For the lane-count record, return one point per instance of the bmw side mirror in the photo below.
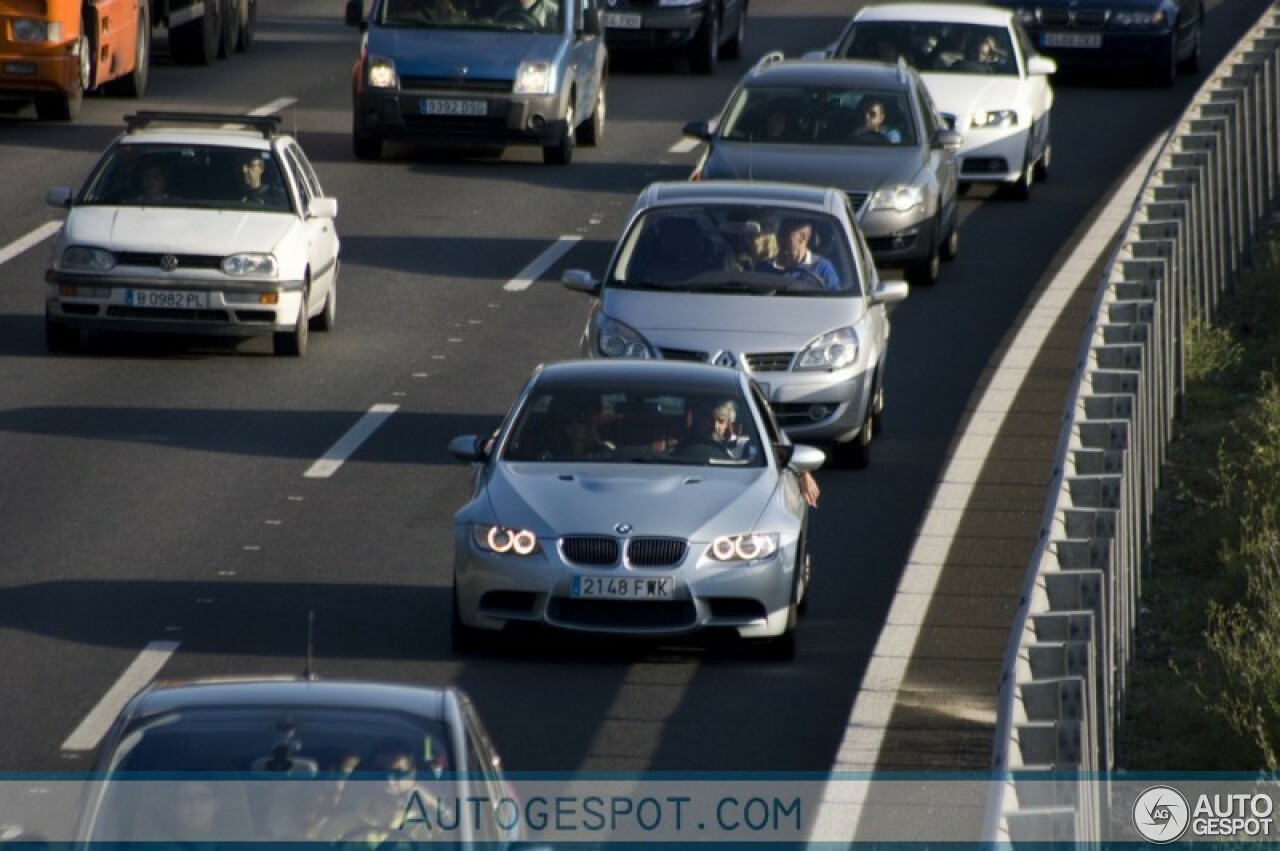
(469, 447)
(58, 196)
(355, 13)
(580, 281)
(591, 22)
(698, 130)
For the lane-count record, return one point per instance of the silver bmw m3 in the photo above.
(635, 498)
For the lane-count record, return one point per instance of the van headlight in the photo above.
(83, 258)
(382, 73)
(535, 78)
(241, 265)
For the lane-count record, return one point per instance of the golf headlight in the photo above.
(994, 118)
(833, 350)
(620, 340)
(32, 30)
(382, 73)
(752, 546)
(535, 78)
(84, 258)
(900, 199)
(504, 541)
(1139, 20)
(241, 265)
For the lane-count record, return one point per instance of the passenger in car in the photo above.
(757, 245)
(152, 184)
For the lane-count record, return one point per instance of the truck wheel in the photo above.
(248, 20)
(66, 106)
(196, 42)
(134, 84)
(229, 40)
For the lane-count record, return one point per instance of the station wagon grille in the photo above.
(152, 260)
(656, 552)
(594, 550)
(769, 361)
(623, 614)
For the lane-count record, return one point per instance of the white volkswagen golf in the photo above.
(984, 75)
(196, 223)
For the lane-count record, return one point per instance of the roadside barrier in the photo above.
(1194, 225)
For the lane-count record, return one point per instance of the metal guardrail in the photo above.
(1193, 227)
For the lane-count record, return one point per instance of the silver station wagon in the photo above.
(773, 279)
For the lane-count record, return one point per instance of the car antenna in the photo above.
(309, 671)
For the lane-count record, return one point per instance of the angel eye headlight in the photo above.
(499, 539)
(241, 265)
(750, 546)
(833, 350)
(86, 258)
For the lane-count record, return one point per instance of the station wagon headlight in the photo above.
(900, 199)
(833, 350)
(241, 265)
(994, 118)
(751, 546)
(1139, 20)
(84, 258)
(620, 340)
(535, 78)
(32, 30)
(382, 73)
(504, 541)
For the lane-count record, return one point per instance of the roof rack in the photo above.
(771, 58)
(267, 125)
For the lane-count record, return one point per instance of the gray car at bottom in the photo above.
(817, 354)
(643, 530)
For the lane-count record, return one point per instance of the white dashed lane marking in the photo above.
(91, 730)
(541, 263)
(332, 460)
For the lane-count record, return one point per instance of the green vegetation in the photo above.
(1204, 691)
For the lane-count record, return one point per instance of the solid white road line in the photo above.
(541, 263)
(886, 671)
(350, 442)
(95, 725)
(22, 243)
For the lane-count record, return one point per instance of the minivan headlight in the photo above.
(88, 259)
(900, 199)
(619, 340)
(833, 350)
(535, 78)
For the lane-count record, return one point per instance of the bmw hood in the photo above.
(212, 232)
(963, 94)
(847, 168)
(670, 500)
(742, 323)
(484, 54)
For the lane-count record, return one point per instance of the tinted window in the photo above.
(200, 176)
(815, 116)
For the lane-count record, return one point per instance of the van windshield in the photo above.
(519, 15)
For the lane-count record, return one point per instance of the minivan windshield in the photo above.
(736, 249)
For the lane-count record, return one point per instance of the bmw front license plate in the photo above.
(622, 588)
(1087, 40)
(173, 299)
(435, 106)
(620, 20)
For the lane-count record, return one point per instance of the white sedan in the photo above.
(983, 73)
(196, 223)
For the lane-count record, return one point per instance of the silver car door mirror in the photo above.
(889, 292)
(468, 447)
(58, 196)
(580, 280)
(806, 459)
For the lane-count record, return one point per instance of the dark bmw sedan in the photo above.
(1156, 38)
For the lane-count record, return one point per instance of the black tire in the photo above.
(196, 42)
(229, 37)
(1042, 164)
(591, 131)
(805, 578)
(1191, 64)
(327, 319)
(66, 106)
(248, 22)
(856, 454)
(1166, 73)
(366, 147)
(733, 47)
(134, 84)
(705, 48)
(58, 338)
(561, 152)
(925, 273)
(1020, 189)
(293, 343)
(877, 407)
(951, 245)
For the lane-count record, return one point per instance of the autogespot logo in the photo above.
(1161, 814)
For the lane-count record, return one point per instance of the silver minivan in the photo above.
(771, 278)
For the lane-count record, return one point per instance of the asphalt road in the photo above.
(154, 490)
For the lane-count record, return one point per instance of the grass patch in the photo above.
(1204, 688)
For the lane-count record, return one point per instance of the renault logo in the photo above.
(725, 359)
(623, 528)
(168, 262)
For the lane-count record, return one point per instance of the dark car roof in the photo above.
(858, 73)
(164, 697)
(678, 375)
